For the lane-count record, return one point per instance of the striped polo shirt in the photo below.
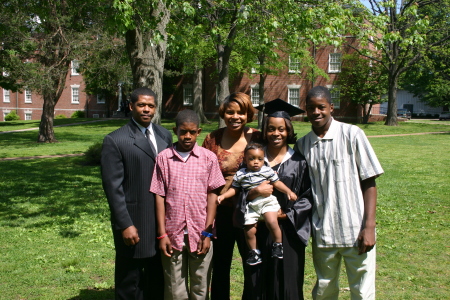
(249, 179)
(337, 163)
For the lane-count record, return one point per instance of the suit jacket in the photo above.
(127, 165)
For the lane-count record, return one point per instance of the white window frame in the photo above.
(294, 65)
(75, 96)
(292, 88)
(6, 96)
(254, 94)
(334, 62)
(74, 66)
(335, 95)
(28, 96)
(100, 99)
(28, 115)
(5, 113)
(188, 94)
(96, 116)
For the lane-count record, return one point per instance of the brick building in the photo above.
(28, 105)
(290, 84)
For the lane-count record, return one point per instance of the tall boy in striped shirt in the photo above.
(343, 168)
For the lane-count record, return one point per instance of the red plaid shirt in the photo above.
(185, 186)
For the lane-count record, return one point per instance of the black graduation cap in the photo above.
(280, 109)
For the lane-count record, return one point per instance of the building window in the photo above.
(5, 113)
(75, 65)
(95, 116)
(27, 96)
(294, 95)
(6, 96)
(75, 94)
(28, 115)
(335, 96)
(334, 63)
(100, 99)
(254, 94)
(294, 65)
(188, 94)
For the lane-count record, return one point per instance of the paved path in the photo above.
(406, 134)
(429, 121)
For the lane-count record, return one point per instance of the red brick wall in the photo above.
(276, 86)
(87, 103)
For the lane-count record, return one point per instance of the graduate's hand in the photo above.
(219, 199)
(165, 246)
(292, 196)
(203, 245)
(366, 240)
(281, 215)
(130, 236)
(265, 189)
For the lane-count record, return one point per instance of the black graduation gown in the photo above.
(283, 279)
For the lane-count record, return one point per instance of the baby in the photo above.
(268, 207)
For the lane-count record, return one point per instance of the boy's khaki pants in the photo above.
(360, 272)
(187, 276)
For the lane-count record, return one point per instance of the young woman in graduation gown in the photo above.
(282, 278)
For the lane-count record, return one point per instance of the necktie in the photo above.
(147, 134)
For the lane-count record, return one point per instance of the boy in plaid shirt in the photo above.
(185, 181)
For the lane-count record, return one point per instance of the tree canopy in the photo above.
(363, 82)
(104, 66)
(398, 29)
(429, 78)
(40, 39)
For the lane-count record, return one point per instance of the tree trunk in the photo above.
(51, 94)
(46, 133)
(391, 119)
(198, 93)
(223, 69)
(366, 113)
(147, 57)
(223, 65)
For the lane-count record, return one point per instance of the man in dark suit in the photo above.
(128, 158)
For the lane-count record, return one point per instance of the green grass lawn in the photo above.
(78, 138)
(22, 124)
(56, 241)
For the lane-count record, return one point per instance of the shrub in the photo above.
(12, 116)
(60, 117)
(93, 154)
(77, 114)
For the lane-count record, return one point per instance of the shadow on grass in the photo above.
(91, 294)
(51, 193)
(88, 133)
(103, 123)
(35, 123)
(20, 123)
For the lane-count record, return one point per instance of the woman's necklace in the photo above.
(273, 160)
